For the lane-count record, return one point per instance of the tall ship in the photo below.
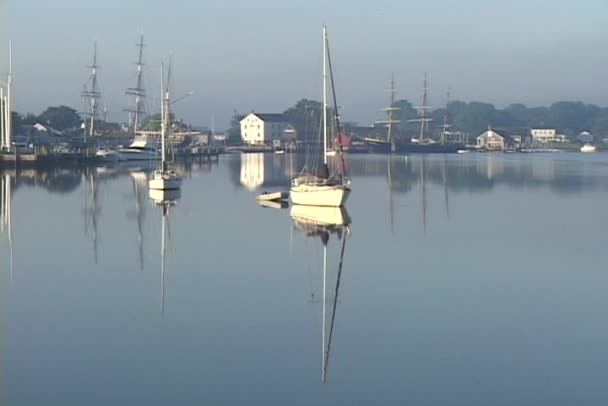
(424, 143)
(142, 148)
(381, 145)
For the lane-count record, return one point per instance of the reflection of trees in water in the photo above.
(471, 173)
(478, 173)
(61, 181)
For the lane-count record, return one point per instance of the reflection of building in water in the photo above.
(490, 165)
(543, 169)
(323, 222)
(259, 169)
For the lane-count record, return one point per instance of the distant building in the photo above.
(543, 135)
(258, 128)
(491, 140)
(585, 137)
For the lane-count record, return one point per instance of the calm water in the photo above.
(473, 279)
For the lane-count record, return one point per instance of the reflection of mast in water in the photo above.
(423, 189)
(165, 199)
(322, 222)
(327, 350)
(444, 172)
(91, 210)
(138, 189)
(390, 191)
(6, 190)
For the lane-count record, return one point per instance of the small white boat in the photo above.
(588, 148)
(272, 197)
(274, 204)
(279, 151)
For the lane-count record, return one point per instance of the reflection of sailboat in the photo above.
(6, 190)
(322, 222)
(165, 199)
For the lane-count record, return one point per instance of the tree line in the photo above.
(568, 117)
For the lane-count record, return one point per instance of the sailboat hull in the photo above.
(319, 195)
(165, 183)
(320, 215)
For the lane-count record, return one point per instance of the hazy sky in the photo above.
(265, 55)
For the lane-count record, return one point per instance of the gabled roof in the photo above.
(271, 117)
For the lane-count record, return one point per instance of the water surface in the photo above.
(476, 279)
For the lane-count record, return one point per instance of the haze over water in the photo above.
(466, 280)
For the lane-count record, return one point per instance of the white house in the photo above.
(258, 128)
(491, 140)
(543, 135)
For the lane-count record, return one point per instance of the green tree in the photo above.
(305, 117)
(573, 116)
(60, 117)
(234, 132)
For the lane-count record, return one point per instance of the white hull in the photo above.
(588, 148)
(134, 155)
(164, 196)
(165, 183)
(319, 195)
(320, 215)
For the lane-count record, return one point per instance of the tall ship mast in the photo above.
(91, 95)
(390, 113)
(445, 128)
(137, 94)
(423, 113)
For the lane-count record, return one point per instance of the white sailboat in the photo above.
(323, 190)
(164, 178)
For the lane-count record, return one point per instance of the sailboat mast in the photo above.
(93, 90)
(90, 95)
(3, 117)
(423, 124)
(325, 96)
(390, 109)
(445, 118)
(163, 114)
(9, 85)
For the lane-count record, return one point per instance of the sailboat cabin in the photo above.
(260, 129)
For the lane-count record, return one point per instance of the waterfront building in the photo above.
(491, 140)
(263, 129)
(543, 135)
